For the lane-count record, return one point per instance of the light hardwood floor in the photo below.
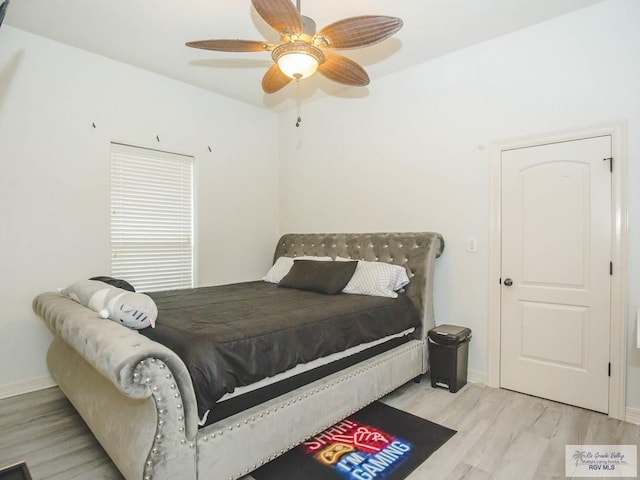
(501, 435)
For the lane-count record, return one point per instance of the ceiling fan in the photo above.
(302, 50)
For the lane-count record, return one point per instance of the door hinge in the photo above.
(609, 368)
(610, 159)
(610, 268)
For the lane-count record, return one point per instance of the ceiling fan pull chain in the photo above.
(298, 102)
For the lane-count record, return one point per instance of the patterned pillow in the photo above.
(377, 279)
(283, 264)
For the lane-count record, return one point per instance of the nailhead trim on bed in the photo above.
(263, 414)
(159, 386)
(163, 389)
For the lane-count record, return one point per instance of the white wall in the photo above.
(412, 154)
(54, 179)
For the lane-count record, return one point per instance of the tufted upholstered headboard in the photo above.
(415, 251)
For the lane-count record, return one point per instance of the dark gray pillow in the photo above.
(115, 282)
(322, 277)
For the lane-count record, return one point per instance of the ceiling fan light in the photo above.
(298, 60)
(297, 65)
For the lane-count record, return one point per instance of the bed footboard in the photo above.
(135, 394)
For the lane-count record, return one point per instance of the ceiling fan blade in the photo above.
(232, 45)
(3, 10)
(343, 70)
(357, 32)
(281, 15)
(274, 80)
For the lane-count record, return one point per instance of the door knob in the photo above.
(508, 282)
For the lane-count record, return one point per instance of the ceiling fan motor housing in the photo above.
(308, 28)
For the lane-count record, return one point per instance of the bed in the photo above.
(138, 398)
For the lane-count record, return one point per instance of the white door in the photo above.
(556, 252)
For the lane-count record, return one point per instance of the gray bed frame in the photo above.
(137, 398)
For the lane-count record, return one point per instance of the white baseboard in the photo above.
(476, 377)
(633, 415)
(27, 386)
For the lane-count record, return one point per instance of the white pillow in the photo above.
(377, 279)
(283, 264)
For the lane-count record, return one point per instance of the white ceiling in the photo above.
(151, 34)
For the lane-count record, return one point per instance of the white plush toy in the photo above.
(131, 309)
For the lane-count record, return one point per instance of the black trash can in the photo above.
(448, 356)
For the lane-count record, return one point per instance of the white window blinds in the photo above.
(151, 218)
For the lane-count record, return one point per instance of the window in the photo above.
(151, 218)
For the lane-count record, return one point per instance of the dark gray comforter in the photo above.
(234, 335)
